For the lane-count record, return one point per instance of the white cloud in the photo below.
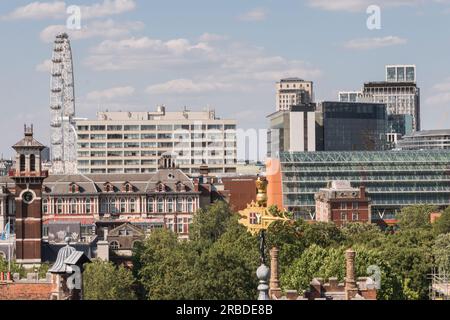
(38, 10)
(110, 94)
(211, 37)
(182, 86)
(257, 14)
(374, 43)
(45, 66)
(361, 5)
(136, 53)
(57, 10)
(228, 63)
(102, 29)
(107, 8)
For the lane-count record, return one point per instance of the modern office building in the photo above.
(400, 98)
(392, 179)
(399, 125)
(293, 91)
(399, 92)
(350, 126)
(132, 142)
(425, 140)
(297, 129)
(401, 73)
(353, 96)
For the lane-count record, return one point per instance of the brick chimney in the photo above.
(351, 288)
(274, 285)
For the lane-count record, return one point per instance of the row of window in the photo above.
(143, 145)
(163, 127)
(122, 205)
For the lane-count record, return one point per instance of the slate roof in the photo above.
(28, 141)
(97, 183)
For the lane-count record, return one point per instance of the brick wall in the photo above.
(25, 291)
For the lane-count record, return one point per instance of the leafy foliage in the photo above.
(442, 224)
(15, 267)
(104, 281)
(441, 252)
(219, 262)
(415, 217)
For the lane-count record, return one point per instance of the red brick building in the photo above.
(341, 203)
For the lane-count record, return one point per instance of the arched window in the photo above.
(114, 245)
(179, 204)
(190, 205)
(45, 206)
(170, 205)
(123, 206)
(73, 206)
(112, 205)
(22, 163)
(161, 187)
(59, 206)
(104, 206)
(73, 188)
(160, 205)
(88, 205)
(150, 205)
(132, 205)
(127, 187)
(32, 163)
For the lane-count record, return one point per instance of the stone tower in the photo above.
(28, 177)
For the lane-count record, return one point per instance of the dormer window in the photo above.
(108, 187)
(181, 187)
(74, 188)
(127, 187)
(161, 187)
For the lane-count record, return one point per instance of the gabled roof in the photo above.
(170, 178)
(126, 226)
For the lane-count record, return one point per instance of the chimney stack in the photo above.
(351, 288)
(274, 284)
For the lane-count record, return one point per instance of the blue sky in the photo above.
(135, 54)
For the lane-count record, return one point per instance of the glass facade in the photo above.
(393, 179)
(400, 123)
(354, 126)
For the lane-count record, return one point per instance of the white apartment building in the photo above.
(292, 92)
(132, 142)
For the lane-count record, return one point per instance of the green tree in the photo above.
(368, 234)
(104, 281)
(409, 253)
(15, 267)
(219, 263)
(323, 234)
(227, 270)
(164, 267)
(210, 223)
(415, 217)
(288, 237)
(318, 262)
(442, 224)
(441, 252)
